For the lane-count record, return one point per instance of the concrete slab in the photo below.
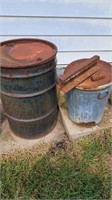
(75, 130)
(9, 142)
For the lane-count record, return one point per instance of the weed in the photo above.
(77, 169)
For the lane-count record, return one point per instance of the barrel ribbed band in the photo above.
(28, 95)
(27, 75)
(32, 120)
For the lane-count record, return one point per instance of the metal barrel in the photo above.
(28, 84)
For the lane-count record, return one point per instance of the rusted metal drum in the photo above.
(86, 103)
(28, 84)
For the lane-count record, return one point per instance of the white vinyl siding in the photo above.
(79, 28)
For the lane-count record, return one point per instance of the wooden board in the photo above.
(76, 81)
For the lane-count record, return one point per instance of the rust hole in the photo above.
(10, 45)
(38, 59)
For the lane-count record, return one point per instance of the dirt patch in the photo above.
(11, 143)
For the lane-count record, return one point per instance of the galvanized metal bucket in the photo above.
(29, 87)
(86, 106)
(87, 102)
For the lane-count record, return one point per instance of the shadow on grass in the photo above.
(65, 172)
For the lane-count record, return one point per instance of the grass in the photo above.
(65, 170)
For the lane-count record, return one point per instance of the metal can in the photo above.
(86, 103)
(28, 84)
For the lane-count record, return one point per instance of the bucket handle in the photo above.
(103, 94)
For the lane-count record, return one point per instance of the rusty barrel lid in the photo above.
(21, 53)
(98, 80)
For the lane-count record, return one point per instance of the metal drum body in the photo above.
(85, 106)
(29, 98)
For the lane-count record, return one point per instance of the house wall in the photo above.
(79, 28)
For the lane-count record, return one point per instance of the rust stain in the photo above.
(26, 52)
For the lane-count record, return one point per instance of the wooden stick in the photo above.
(78, 69)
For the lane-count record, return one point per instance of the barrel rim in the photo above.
(94, 89)
(52, 45)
